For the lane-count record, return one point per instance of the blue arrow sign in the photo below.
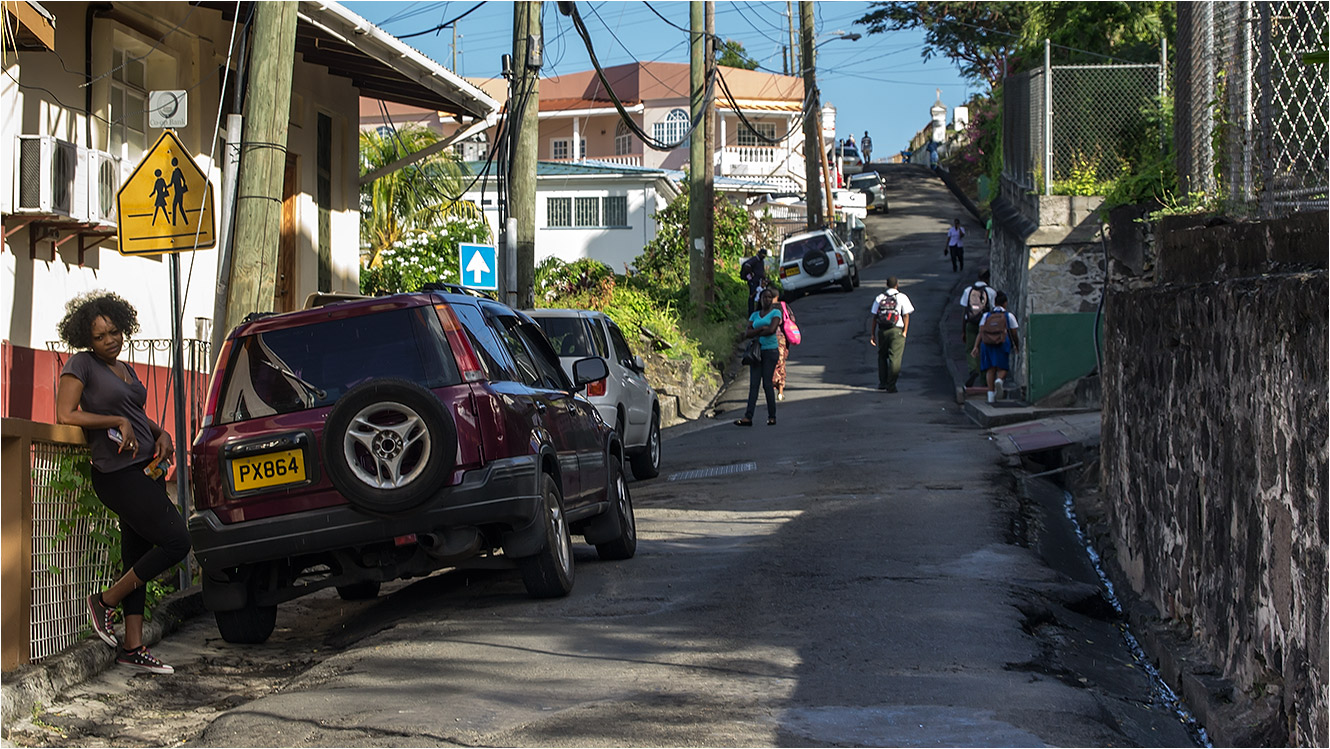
(480, 266)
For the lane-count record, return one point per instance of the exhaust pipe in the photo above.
(452, 544)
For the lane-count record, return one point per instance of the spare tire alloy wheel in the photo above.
(388, 445)
(816, 262)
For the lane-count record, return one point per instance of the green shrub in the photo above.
(423, 257)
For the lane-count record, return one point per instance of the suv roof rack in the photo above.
(453, 288)
(322, 298)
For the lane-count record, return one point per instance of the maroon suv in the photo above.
(385, 438)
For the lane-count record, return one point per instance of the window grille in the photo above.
(672, 128)
(765, 129)
(588, 212)
(128, 107)
(560, 211)
(623, 140)
(616, 210)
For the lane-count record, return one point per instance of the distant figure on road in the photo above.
(956, 246)
(932, 154)
(891, 312)
(159, 192)
(977, 300)
(866, 147)
(764, 325)
(754, 271)
(997, 339)
(178, 189)
(849, 140)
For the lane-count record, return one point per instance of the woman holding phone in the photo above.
(103, 395)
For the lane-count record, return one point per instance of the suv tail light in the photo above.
(840, 259)
(467, 361)
(596, 388)
(215, 384)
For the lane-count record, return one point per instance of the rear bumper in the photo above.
(504, 493)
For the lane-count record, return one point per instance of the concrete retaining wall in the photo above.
(1215, 468)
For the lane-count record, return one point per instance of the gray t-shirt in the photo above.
(105, 394)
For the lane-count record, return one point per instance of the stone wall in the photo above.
(1214, 459)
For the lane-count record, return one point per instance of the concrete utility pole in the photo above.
(527, 53)
(258, 229)
(812, 119)
(709, 163)
(697, 161)
(789, 21)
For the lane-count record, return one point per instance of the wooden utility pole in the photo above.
(697, 217)
(527, 54)
(812, 118)
(709, 163)
(258, 227)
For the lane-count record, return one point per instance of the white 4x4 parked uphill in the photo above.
(812, 259)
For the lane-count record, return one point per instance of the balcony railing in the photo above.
(625, 160)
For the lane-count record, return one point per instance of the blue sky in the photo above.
(878, 83)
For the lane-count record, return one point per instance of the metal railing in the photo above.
(1077, 123)
(1251, 112)
(70, 553)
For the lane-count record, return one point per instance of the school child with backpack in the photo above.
(996, 342)
(890, 313)
(977, 300)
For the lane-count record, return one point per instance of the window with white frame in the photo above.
(672, 128)
(764, 129)
(623, 139)
(558, 212)
(586, 212)
(128, 107)
(562, 148)
(616, 210)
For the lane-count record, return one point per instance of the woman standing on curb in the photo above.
(103, 395)
(763, 325)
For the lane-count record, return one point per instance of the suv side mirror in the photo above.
(638, 364)
(588, 370)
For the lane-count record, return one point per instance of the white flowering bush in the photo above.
(421, 258)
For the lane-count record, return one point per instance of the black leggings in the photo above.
(153, 536)
(760, 375)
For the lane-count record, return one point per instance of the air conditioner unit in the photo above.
(51, 177)
(103, 184)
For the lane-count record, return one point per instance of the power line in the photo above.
(443, 25)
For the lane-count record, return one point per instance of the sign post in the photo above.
(166, 207)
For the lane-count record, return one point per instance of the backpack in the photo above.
(888, 311)
(976, 304)
(993, 330)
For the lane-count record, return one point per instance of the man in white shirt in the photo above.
(890, 313)
(956, 246)
(977, 299)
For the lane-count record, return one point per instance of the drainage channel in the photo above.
(706, 473)
(1163, 693)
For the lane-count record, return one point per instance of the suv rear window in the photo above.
(797, 248)
(567, 335)
(309, 366)
(868, 179)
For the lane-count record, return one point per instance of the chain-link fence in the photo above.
(1251, 111)
(1102, 117)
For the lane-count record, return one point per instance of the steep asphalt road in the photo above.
(846, 577)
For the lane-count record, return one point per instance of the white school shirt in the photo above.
(903, 306)
(954, 236)
(965, 295)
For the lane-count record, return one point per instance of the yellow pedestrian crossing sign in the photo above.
(166, 204)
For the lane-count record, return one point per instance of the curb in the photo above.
(28, 687)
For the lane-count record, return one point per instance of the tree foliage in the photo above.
(986, 39)
(422, 257)
(413, 199)
(733, 55)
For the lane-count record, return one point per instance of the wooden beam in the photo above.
(42, 28)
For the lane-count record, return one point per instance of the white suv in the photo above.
(624, 399)
(812, 259)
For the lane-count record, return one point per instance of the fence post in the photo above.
(17, 543)
(1048, 117)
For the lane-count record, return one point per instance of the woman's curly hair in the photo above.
(76, 327)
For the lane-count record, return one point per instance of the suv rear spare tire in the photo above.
(389, 445)
(817, 262)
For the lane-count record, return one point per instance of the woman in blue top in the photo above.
(763, 325)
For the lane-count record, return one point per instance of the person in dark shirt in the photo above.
(754, 271)
(103, 395)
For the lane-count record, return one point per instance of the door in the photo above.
(633, 385)
(286, 292)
